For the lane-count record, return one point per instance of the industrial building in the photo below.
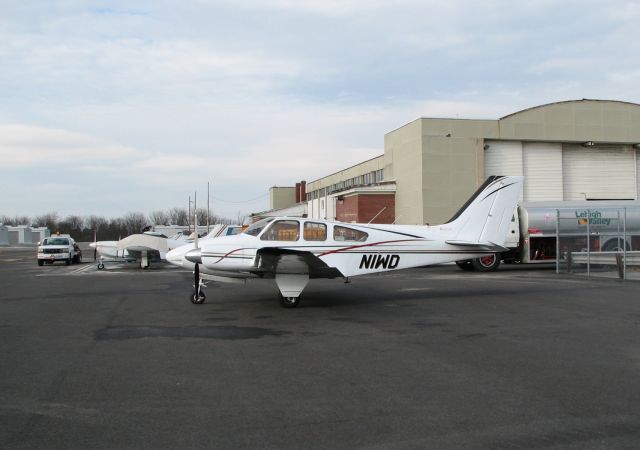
(570, 150)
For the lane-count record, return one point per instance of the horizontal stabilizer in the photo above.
(489, 246)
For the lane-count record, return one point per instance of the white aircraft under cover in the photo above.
(152, 246)
(294, 250)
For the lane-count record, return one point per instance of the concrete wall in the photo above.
(4, 235)
(403, 163)
(579, 121)
(281, 197)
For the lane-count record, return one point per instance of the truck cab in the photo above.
(59, 247)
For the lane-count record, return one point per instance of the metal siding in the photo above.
(542, 171)
(598, 173)
(503, 158)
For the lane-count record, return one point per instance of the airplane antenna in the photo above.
(208, 207)
(189, 216)
(396, 219)
(374, 217)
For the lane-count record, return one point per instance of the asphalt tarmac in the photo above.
(424, 358)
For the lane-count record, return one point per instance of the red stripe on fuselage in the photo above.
(370, 245)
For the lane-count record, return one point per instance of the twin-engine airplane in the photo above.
(294, 250)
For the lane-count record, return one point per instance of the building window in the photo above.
(314, 231)
(282, 230)
(341, 233)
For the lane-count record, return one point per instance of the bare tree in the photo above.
(74, 222)
(21, 220)
(49, 220)
(178, 216)
(134, 222)
(96, 223)
(202, 216)
(159, 218)
(241, 217)
(5, 220)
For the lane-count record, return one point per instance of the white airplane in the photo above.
(151, 246)
(144, 247)
(294, 250)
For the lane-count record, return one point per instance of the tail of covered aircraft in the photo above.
(485, 218)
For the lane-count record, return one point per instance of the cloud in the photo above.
(36, 147)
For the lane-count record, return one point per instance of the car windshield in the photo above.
(56, 241)
(257, 227)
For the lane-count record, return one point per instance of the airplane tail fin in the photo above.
(484, 219)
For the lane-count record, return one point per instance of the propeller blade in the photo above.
(195, 227)
(196, 273)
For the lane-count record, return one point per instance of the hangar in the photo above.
(570, 150)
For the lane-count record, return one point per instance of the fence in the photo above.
(600, 241)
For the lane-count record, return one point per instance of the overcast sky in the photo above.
(110, 107)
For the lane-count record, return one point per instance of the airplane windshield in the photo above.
(257, 227)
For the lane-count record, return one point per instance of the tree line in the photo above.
(82, 228)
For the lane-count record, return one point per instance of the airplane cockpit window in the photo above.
(282, 230)
(256, 228)
(341, 233)
(314, 231)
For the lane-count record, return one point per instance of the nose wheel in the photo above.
(289, 302)
(198, 297)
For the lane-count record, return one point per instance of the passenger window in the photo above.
(282, 230)
(341, 233)
(314, 231)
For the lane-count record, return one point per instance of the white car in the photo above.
(58, 248)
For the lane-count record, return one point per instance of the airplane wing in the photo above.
(489, 246)
(137, 244)
(272, 260)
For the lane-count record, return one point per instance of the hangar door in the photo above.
(539, 162)
(599, 173)
(503, 158)
(542, 164)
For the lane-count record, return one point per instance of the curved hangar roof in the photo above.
(579, 120)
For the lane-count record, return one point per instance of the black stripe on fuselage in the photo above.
(475, 195)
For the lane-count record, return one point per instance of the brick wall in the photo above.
(362, 208)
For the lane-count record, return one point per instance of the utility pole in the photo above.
(208, 214)
(189, 216)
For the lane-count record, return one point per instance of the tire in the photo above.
(489, 263)
(197, 299)
(101, 266)
(615, 245)
(289, 302)
(465, 265)
(67, 262)
(40, 262)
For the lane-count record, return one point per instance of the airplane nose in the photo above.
(194, 256)
(174, 256)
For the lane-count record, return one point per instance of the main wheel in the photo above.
(289, 302)
(100, 266)
(40, 262)
(198, 299)
(487, 263)
(615, 245)
(464, 265)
